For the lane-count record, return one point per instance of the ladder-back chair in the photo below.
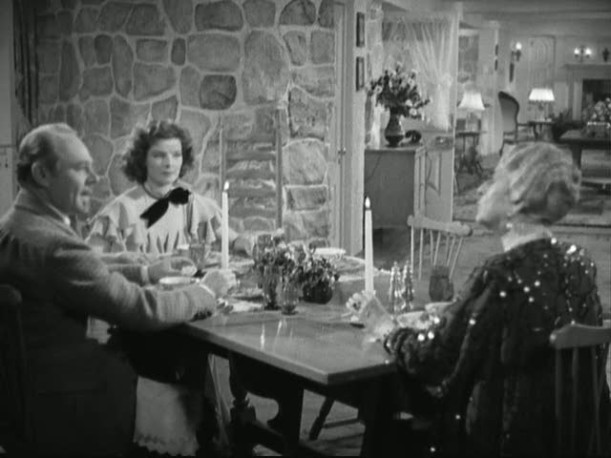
(445, 242)
(14, 383)
(586, 346)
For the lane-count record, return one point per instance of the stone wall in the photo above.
(231, 69)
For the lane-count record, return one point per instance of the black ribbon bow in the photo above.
(177, 196)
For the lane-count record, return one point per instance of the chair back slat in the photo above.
(574, 395)
(456, 256)
(445, 243)
(581, 342)
(595, 395)
(14, 384)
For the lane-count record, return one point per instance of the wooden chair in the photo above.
(510, 108)
(445, 241)
(14, 382)
(587, 345)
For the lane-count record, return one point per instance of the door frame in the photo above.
(348, 129)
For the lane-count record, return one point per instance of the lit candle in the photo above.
(368, 248)
(225, 227)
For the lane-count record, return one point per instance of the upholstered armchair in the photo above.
(513, 132)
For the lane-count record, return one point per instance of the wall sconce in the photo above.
(582, 52)
(516, 52)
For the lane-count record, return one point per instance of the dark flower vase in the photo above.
(318, 294)
(393, 132)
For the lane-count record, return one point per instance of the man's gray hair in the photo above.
(39, 145)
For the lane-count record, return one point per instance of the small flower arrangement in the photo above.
(398, 92)
(298, 265)
(600, 112)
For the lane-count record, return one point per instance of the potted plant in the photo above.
(398, 92)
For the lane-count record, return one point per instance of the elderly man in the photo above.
(83, 393)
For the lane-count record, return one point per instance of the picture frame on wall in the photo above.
(360, 73)
(360, 30)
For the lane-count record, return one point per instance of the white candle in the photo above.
(225, 227)
(368, 248)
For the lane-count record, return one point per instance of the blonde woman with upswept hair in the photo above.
(486, 360)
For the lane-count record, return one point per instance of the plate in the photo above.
(330, 252)
(248, 294)
(436, 307)
(416, 320)
(169, 283)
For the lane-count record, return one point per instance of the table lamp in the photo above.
(471, 102)
(542, 97)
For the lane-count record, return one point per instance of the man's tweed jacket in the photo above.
(83, 392)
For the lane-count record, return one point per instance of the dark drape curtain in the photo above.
(26, 80)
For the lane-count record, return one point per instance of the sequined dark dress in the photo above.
(488, 364)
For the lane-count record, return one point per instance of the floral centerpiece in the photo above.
(598, 118)
(397, 91)
(281, 266)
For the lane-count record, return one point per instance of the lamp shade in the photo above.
(541, 95)
(472, 101)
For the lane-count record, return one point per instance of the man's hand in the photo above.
(161, 268)
(219, 281)
(126, 257)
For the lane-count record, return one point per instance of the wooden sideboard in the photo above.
(392, 184)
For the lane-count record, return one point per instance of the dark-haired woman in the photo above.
(158, 157)
(155, 217)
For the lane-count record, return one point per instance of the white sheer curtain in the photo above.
(427, 42)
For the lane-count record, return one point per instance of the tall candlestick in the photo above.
(368, 247)
(225, 227)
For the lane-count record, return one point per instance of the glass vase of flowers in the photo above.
(397, 91)
(598, 118)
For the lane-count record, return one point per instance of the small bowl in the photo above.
(170, 283)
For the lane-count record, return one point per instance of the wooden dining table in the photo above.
(280, 356)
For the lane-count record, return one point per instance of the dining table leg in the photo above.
(242, 413)
(376, 413)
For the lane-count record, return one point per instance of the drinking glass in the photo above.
(198, 253)
(440, 287)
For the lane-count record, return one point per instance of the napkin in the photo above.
(167, 417)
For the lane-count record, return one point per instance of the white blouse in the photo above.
(118, 226)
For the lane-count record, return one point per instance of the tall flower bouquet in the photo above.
(598, 118)
(600, 112)
(398, 92)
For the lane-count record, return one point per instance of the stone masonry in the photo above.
(238, 74)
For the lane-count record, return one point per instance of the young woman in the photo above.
(155, 217)
(160, 212)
